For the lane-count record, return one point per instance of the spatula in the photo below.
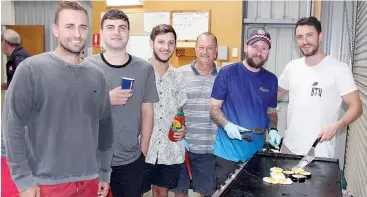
(310, 155)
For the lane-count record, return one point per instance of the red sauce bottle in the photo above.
(177, 123)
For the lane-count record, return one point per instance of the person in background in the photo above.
(318, 84)
(10, 46)
(164, 158)
(244, 97)
(57, 118)
(132, 108)
(201, 130)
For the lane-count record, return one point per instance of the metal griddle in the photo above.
(325, 180)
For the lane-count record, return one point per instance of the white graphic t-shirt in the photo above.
(315, 99)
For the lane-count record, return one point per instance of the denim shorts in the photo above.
(203, 175)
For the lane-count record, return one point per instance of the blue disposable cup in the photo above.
(127, 83)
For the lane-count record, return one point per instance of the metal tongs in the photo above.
(247, 137)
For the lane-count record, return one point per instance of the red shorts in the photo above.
(73, 189)
(8, 187)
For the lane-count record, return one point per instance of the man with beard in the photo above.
(57, 119)
(162, 164)
(201, 130)
(244, 97)
(132, 109)
(318, 84)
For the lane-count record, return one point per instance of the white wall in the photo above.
(7, 13)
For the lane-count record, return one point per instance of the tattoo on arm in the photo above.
(273, 117)
(218, 116)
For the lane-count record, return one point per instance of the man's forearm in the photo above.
(273, 117)
(352, 114)
(281, 93)
(16, 115)
(218, 116)
(146, 126)
(105, 141)
(17, 158)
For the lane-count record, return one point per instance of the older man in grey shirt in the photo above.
(201, 130)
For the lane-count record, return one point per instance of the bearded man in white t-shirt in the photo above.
(318, 84)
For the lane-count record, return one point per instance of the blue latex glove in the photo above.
(185, 144)
(233, 131)
(274, 138)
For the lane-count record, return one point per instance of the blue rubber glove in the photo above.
(185, 144)
(274, 138)
(233, 131)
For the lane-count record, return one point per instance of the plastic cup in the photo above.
(127, 83)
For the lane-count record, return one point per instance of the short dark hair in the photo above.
(208, 34)
(69, 5)
(115, 14)
(311, 21)
(162, 29)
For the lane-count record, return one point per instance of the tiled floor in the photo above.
(170, 194)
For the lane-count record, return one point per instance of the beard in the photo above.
(251, 62)
(71, 50)
(156, 56)
(313, 52)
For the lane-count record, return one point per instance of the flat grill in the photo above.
(248, 182)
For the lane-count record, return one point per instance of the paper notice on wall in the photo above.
(152, 19)
(139, 46)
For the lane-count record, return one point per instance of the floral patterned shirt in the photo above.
(172, 96)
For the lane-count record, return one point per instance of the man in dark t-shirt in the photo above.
(10, 45)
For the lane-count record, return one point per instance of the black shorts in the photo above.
(126, 179)
(223, 168)
(165, 176)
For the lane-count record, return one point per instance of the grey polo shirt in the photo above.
(200, 128)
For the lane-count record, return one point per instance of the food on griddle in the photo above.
(297, 170)
(277, 175)
(270, 180)
(288, 173)
(298, 178)
(276, 169)
(306, 174)
(287, 181)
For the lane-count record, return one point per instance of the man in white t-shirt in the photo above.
(317, 86)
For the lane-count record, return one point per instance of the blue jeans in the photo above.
(203, 175)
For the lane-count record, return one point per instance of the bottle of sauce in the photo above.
(177, 123)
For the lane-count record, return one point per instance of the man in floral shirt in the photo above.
(164, 157)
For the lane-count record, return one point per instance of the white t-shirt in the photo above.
(315, 99)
